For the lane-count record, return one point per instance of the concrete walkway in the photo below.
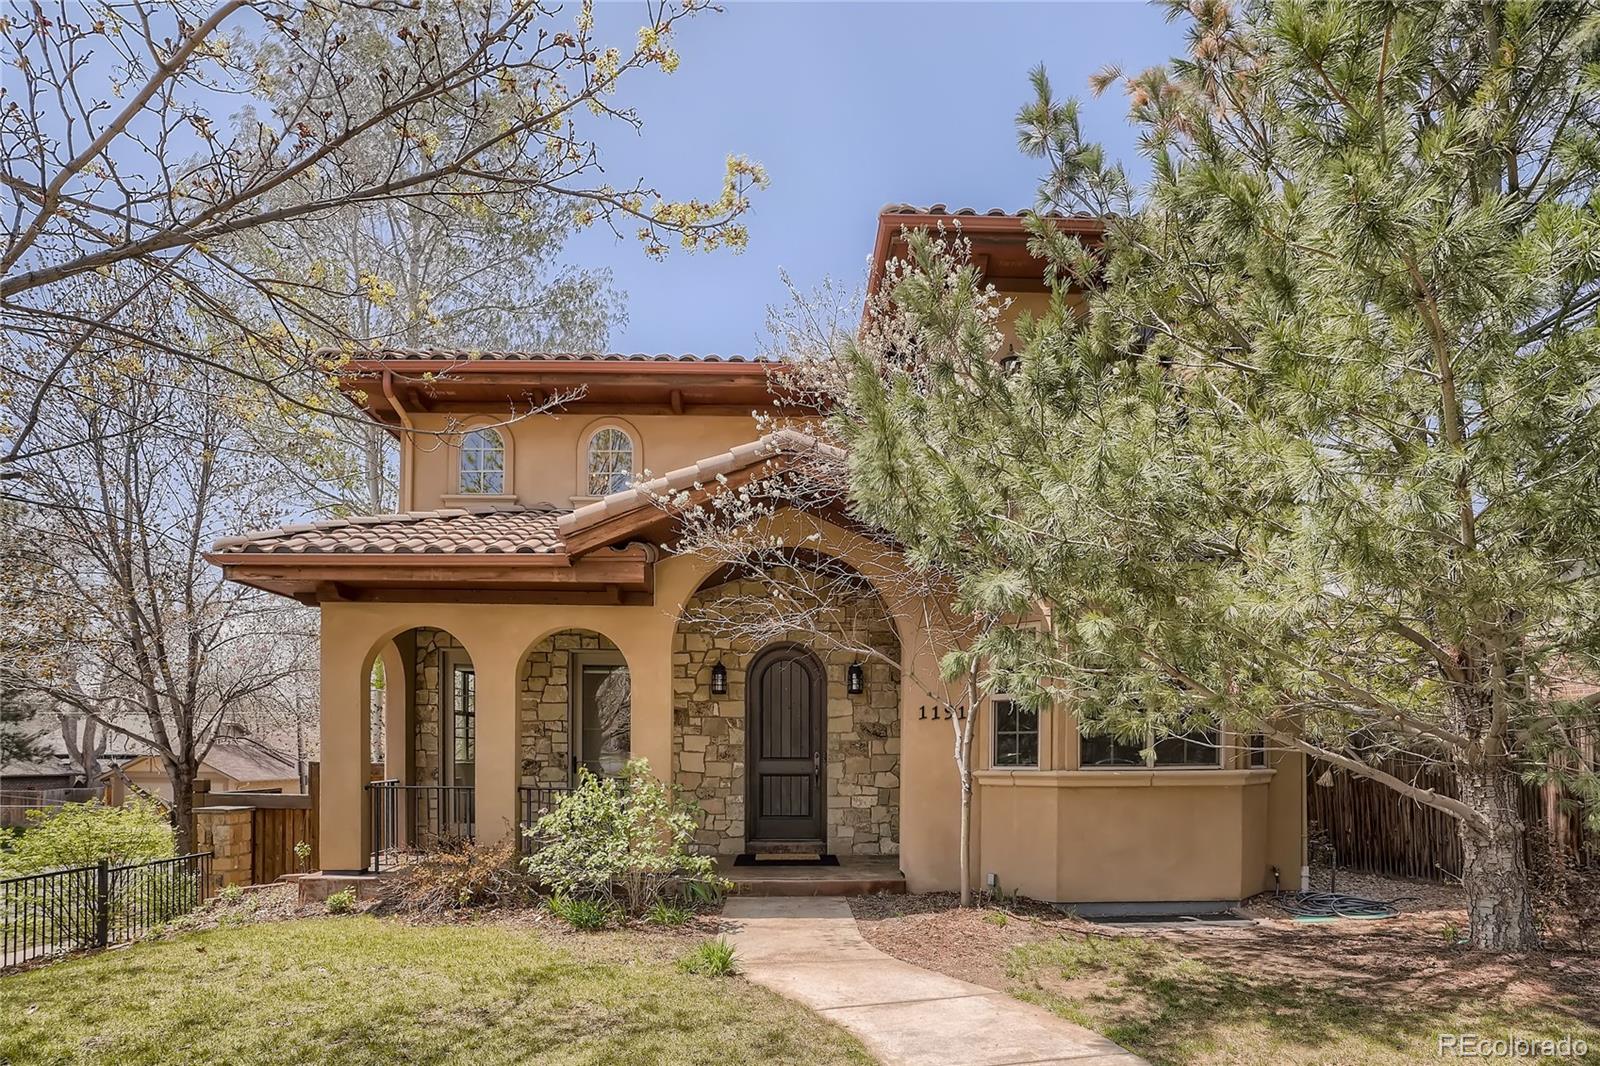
(810, 950)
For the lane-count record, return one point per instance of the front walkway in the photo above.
(809, 950)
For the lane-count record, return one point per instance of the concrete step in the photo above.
(849, 878)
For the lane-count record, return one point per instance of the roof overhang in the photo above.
(999, 242)
(623, 574)
(592, 386)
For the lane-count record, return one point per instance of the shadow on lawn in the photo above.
(1173, 1008)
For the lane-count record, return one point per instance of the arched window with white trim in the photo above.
(482, 467)
(610, 461)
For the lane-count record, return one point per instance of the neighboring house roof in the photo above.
(241, 759)
(32, 768)
(504, 529)
(249, 759)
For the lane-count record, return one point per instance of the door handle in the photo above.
(816, 764)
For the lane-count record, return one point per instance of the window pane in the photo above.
(483, 462)
(1194, 749)
(610, 461)
(1104, 750)
(1016, 734)
(605, 718)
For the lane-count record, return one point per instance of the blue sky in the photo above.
(849, 106)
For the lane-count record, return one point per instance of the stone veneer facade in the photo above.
(542, 699)
(863, 732)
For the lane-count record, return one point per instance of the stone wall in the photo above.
(863, 732)
(542, 706)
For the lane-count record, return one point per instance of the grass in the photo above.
(713, 958)
(364, 990)
(1172, 1008)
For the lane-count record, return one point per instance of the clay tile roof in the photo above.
(704, 472)
(993, 212)
(498, 530)
(495, 355)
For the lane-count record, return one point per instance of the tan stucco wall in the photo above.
(545, 455)
(863, 731)
(1205, 840)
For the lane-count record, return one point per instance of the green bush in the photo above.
(341, 902)
(81, 834)
(620, 839)
(714, 958)
(230, 894)
(589, 913)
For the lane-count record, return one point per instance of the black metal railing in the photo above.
(408, 818)
(81, 907)
(533, 804)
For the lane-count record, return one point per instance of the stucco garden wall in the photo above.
(863, 733)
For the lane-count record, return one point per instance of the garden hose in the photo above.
(1328, 906)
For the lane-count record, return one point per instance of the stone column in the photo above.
(343, 827)
(226, 832)
(399, 720)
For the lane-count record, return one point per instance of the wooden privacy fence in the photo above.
(277, 823)
(1374, 828)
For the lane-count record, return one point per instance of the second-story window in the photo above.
(610, 461)
(483, 462)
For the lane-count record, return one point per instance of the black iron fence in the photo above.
(417, 817)
(409, 818)
(533, 804)
(53, 913)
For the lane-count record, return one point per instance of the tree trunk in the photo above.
(1495, 868)
(183, 807)
(966, 834)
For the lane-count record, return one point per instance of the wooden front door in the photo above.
(786, 722)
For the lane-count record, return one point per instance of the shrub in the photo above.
(341, 902)
(589, 913)
(230, 894)
(621, 839)
(81, 834)
(457, 875)
(302, 856)
(714, 958)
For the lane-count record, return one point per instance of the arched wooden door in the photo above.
(786, 718)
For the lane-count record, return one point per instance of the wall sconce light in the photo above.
(855, 680)
(719, 679)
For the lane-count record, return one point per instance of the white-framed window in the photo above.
(482, 468)
(1016, 734)
(609, 461)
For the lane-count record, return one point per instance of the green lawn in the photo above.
(1175, 1007)
(367, 990)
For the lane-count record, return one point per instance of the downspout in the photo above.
(407, 449)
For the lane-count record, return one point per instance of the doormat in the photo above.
(754, 860)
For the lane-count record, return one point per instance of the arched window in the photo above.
(483, 462)
(610, 461)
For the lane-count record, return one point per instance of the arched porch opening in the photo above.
(574, 713)
(808, 600)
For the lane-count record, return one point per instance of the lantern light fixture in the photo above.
(855, 679)
(719, 679)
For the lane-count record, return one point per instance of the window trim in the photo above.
(994, 735)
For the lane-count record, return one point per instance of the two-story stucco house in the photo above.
(530, 622)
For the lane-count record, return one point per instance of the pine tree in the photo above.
(1320, 453)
